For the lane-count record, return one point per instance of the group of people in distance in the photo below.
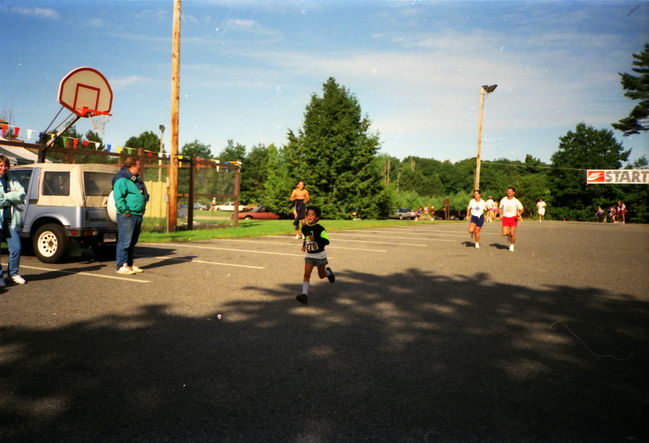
(509, 209)
(616, 213)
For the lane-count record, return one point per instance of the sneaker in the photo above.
(17, 279)
(477, 245)
(330, 275)
(125, 270)
(302, 298)
(136, 269)
(511, 248)
(297, 236)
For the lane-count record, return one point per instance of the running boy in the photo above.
(315, 240)
(477, 207)
(510, 209)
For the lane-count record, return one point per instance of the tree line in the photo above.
(339, 159)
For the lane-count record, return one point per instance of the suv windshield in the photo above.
(97, 183)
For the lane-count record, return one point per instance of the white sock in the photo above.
(305, 287)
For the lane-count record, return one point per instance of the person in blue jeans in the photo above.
(12, 194)
(131, 196)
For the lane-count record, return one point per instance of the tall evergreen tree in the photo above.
(584, 148)
(333, 154)
(637, 88)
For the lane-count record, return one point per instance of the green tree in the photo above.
(333, 153)
(148, 140)
(278, 184)
(637, 88)
(200, 150)
(94, 137)
(232, 152)
(584, 148)
(254, 173)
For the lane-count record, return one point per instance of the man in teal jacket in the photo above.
(130, 196)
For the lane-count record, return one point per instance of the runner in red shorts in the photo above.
(510, 209)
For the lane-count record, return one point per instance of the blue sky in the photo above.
(416, 67)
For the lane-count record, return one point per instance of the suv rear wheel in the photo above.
(50, 243)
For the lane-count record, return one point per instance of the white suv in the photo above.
(65, 203)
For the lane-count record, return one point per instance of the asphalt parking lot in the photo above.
(421, 338)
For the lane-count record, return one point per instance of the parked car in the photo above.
(229, 206)
(405, 214)
(66, 203)
(197, 205)
(260, 213)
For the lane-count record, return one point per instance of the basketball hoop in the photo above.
(98, 123)
(87, 94)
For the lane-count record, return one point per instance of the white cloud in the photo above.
(248, 26)
(95, 22)
(37, 12)
(120, 83)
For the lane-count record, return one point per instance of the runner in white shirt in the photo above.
(510, 209)
(477, 207)
(540, 209)
(491, 205)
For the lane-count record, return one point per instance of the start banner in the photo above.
(617, 176)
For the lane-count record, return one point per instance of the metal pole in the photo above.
(237, 183)
(190, 203)
(161, 153)
(476, 182)
(175, 101)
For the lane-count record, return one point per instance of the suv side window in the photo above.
(56, 183)
(97, 183)
(22, 176)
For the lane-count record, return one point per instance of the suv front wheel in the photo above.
(50, 243)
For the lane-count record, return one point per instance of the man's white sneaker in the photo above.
(477, 245)
(511, 248)
(297, 236)
(18, 280)
(125, 270)
(136, 269)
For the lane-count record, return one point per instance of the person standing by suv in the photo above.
(130, 196)
(12, 194)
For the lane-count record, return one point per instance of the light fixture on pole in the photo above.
(484, 89)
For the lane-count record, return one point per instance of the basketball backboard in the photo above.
(86, 92)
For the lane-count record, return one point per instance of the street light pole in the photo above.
(484, 90)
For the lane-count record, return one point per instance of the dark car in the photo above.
(261, 212)
(405, 214)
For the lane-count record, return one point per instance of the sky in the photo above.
(249, 68)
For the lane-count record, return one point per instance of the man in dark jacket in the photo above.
(130, 195)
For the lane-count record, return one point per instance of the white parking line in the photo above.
(87, 274)
(337, 233)
(212, 248)
(192, 260)
(328, 247)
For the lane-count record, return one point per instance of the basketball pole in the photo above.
(42, 151)
(175, 101)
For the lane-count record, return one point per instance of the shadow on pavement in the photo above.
(407, 357)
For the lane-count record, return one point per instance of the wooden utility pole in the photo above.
(175, 102)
